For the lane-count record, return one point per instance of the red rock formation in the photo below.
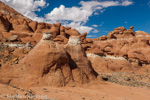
(121, 32)
(130, 45)
(51, 66)
(71, 32)
(28, 30)
(83, 38)
(78, 56)
(20, 26)
(109, 63)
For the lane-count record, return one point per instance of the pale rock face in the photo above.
(107, 57)
(74, 40)
(47, 36)
(27, 46)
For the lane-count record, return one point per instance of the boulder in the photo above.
(61, 39)
(72, 32)
(120, 28)
(13, 38)
(107, 49)
(131, 27)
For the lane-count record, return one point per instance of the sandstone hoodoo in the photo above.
(79, 59)
(49, 64)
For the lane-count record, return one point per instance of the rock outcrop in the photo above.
(120, 43)
(14, 23)
(79, 60)
(121, 32)
(49, 64)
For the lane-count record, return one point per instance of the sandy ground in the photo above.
(100, 91)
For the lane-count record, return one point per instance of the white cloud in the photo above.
(96, 13)
(34, 17)
(126, 3)
(74, 14)
(80, 15)
(95, 31)
(75, 17)
(95, 25)
(81, 28)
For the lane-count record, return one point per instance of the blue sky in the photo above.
(97, 17)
